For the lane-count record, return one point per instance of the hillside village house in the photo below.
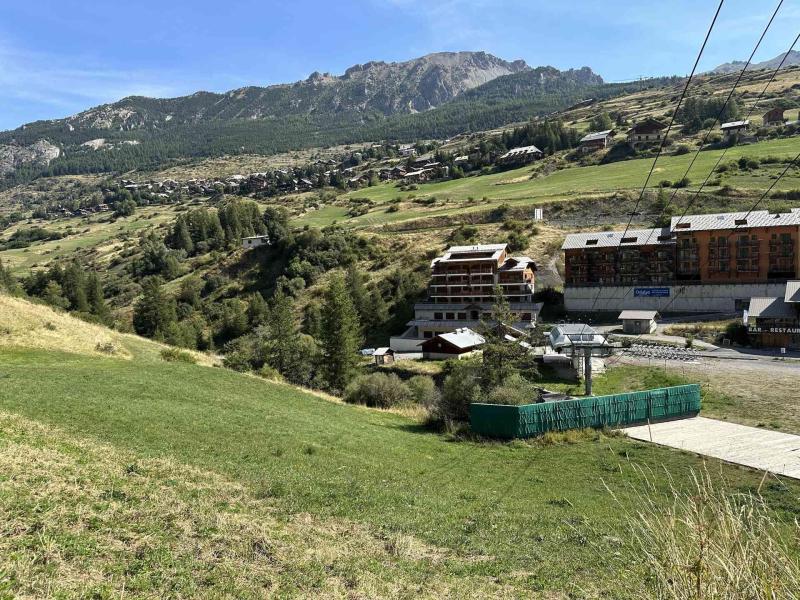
(461, 293)
(649, 131)
(639, 322)
(773, 118)
(255, 241)
(519, 157)
(734, 128)
(712, 263)
(597, 140)
(461, 343)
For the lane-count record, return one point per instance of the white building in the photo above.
(255, 241)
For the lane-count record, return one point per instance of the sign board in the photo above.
(783, 350)
(791, 330)
(657, 292)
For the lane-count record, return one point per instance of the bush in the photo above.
(175, 355)
(424, 391)
(461, 388)
(681, 183)
(377, 389)
(737, 333)
(681, 149)
(106, 347)
(514, 391)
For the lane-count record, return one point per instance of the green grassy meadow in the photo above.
(524, 519)
(515, 187)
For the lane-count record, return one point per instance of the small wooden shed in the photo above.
(639, 321)
(383, 356)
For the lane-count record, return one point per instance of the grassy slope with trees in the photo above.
(501, 518)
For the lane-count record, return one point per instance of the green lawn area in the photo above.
(515, 186)
(537, 518)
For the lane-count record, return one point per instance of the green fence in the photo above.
(495, 420)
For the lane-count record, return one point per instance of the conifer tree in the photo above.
(340, 335)
(73, 283)
(154, 313)
(94, 296)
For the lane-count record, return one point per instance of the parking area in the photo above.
(761, 449)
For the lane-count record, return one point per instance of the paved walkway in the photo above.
(761, 449)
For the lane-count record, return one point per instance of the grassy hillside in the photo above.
(212, 483)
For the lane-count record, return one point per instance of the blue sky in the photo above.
(58, 57)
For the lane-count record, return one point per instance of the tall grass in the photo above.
(707, 544)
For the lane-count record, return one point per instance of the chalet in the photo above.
(255, 241)
(459, 344)
(649, 131)
(406, 150)
(597, 140)
(419, 175)
(734, 128)
(518, 157)
(638, 321)
(773, 118)
(460, 160)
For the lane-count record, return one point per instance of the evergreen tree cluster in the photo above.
(200, 230)
(70, 288)
(548, 136)
(699, 113)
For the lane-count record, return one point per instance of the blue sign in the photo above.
(660, 292)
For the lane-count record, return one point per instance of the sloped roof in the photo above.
(463, 338)
(610, 239)
(597, 135)
(770, 308)
(735, 124)
(792, 291)
(521, 152)
(733, 220)
(638, 314)
(382, 351)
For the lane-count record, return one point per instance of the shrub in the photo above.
(665, 183)
(681, 183)
(737, 333)
(514, 391)
(175, 355)
(269, 373)
(424, 391)
(681, 149)
(106, 348)
(377, 389)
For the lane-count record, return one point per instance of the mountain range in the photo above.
(434, 96)
(792, 59)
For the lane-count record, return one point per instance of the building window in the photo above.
(462, 316)
(450, 316)
(438, 316)
(427, 335)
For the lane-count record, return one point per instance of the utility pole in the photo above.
(587, 370)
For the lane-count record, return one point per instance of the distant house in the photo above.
(406, 150)
(734, 128)
(649, 131)
(518, 157)
(460, 343)
(255, 241)
(383, 356)
(597, 140)
(773, 118)
(639, 321)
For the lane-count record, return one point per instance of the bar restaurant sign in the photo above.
(793, 330)
(654, 292)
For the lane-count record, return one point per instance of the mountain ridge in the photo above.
(772, 63)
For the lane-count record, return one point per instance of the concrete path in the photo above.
(761, 449)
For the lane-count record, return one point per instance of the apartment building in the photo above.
(699, 263)
(462, 293)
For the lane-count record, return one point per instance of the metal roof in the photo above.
(382, 351)
(734, 220)
(463, 338)
(771, 308)
(735, 124)
(610, 239)
(638, 314)
(792, 291)
(477, 248)
(521, 151)
(597, 135)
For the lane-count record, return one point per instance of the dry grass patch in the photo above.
(24, 324)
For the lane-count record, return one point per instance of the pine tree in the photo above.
(312, 319)
(281, 347)
(358, 293)
(73, 283)
(340, 335)
(257, 310)
(54, 295)
(154, 313)
(94, 296)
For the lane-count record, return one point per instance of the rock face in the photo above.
(386, 88)
(738, 65)
(13, 156)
